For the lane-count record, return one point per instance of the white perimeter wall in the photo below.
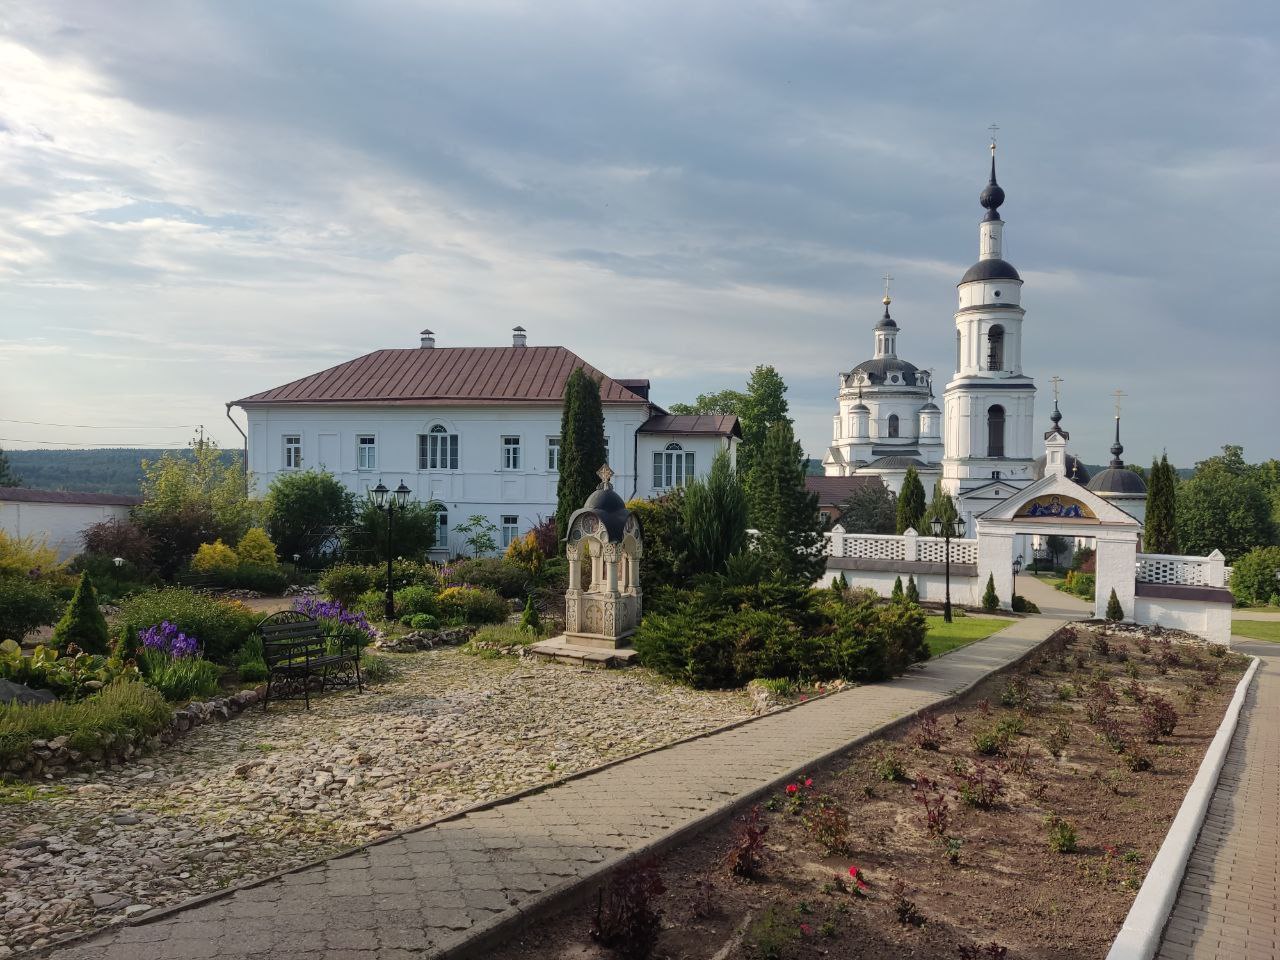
(57, 524)
(1209, 620)
(932, 586)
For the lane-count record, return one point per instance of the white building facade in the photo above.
(474, 430)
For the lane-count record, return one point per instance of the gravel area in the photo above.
(265, 792)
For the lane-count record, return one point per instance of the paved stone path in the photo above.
(440, 886)
(1229, 903)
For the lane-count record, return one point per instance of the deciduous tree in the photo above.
(305, 510)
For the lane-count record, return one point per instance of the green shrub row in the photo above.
(123, 708)
(221, 626)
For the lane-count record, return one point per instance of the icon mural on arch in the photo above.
(1056, 507)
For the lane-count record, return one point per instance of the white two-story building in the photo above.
(473, 429)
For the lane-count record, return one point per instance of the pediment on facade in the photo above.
(1058, 499)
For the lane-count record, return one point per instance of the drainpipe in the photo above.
(245, 462)
(635, 454)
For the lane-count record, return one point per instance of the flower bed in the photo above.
(1021, 820)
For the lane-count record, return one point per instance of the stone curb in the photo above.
(1139, 938)
(492, 934)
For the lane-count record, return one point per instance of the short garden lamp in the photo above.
(118, 561)
(1017, 567)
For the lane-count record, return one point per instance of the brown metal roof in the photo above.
(720, 425)
(833, 491)
(27, 495)
(447, 375)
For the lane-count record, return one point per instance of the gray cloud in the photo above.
(672, 190)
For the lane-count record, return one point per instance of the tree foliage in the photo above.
(715, 517)
(582, 450)
(943, 508)
(666, 551)
(871, 508)
(1160, 529)
(83, 623)
(255, 549)
(764, 406)
(413, 532)
(305, 510)
(784, 513)
(725, 402)
(1115, 613)
(911, 504)
(7, 477)
(1253, 578)
(990, 599)
(1226, 505)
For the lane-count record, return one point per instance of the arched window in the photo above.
(672, 467)
(995, 431)
(995, 348)
(893, 424)
(438, 449)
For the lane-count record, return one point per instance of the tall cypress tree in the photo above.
(942, 507)
(911, 502)
(581, 446)
(783, 512)
(1160, 533)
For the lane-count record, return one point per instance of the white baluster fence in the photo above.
(909, 547)
(1210, 571)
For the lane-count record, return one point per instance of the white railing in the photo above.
(1210, 571)
(910, 547)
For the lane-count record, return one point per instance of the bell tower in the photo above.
(989, 403)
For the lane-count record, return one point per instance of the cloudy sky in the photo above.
(200, 201)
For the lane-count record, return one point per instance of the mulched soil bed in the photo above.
(1074, 731)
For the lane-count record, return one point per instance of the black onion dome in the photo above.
(1118, 480)
(992, 195)
(993, 269)
(605, 507)
(879, 370)
(605, 501)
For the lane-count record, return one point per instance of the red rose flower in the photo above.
(792, 788)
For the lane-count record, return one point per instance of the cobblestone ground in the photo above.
(269, 791)
(1228, 906)
(438, 888)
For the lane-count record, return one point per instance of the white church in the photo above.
(983, 444)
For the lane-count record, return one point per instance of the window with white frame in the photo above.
(438, 449)
(672, 467)
(366, 452)
(292, 451)
(553, 454)
(606, 451)
(510, 453)
(510, 530)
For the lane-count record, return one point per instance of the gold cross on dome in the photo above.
(605, 474)
(1118, 394)
(994, 128)
(1057, 383)
(887, 280)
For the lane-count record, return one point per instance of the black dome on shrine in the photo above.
(994, 269)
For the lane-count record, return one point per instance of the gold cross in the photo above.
(605, 474)
(1057, 382)
(993, 128)
(1118, 394)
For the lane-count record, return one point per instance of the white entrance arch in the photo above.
(1058, 506)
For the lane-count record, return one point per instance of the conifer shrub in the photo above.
(255, 549)
(216, 558)
(913, 591)
(530, 621)
(897, 589)
(1114, 612)
(83, 623)
(990, 600)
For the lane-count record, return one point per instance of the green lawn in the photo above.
(945, 636)
(1255, 629)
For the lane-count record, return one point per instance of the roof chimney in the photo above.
(518, 338)
(428, 340)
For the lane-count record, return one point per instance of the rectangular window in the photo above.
(437, 450)
(510, 453)
(510, 530)
(293, 452)
(366, 452)
(553, 454)
(606, 451)
(672, 467)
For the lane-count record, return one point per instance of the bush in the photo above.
(124, 707)
(1021, 604)
(1253, 577)
(112, 582)
(83, 623)
(120, 538)
(305, 509)
(913, 591)
(372, 604)
(255, 549)
(26, 557)
(506, 579)
(216, 558)
(530, 621)
(412, 534)
(897, 593)
(421, 621)
(346, 581)
(1114, 611)
(415, 600)
(70, 676)
(222, 625)
(251, 661)
(990, 601)
(249, 576)
(180, 678)
(25, 604)
(1084, 585)
(471, 605)
(1062, 835)
(524, 552)
(666, 559)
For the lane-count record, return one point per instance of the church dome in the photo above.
(881, 370)
(1076, 469)
(605, 501)
(1118, 480)
(930, 407)
(994, 269)
(860, 407)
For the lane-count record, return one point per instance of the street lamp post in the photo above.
(389, 501)
(944, 529)
(1017, 565)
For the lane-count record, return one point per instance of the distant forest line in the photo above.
(113, 470)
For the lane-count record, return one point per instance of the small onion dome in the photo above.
(930, 407)
(1115, 480)
(603, 508)
(1076, 469)
(992, 195)
(860, 407)
(993, 269)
